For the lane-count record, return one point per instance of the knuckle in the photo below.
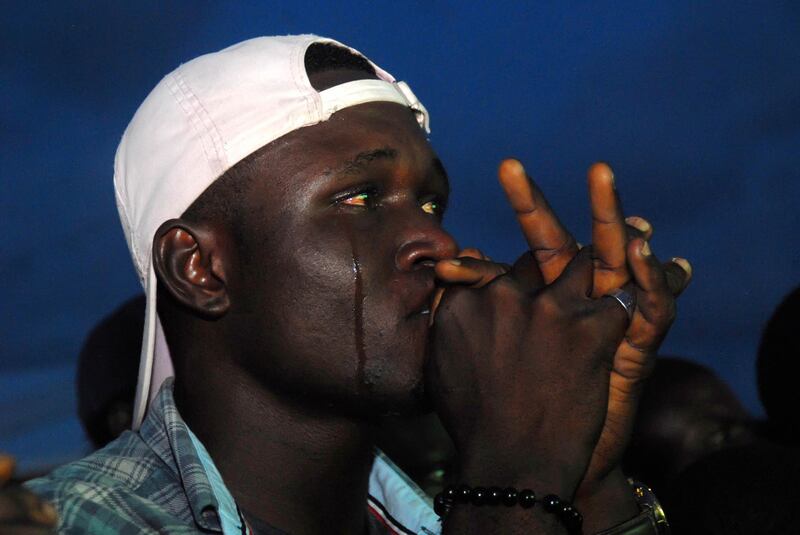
(546, 304)
(504, 288)
(664, 312)
(547, 254)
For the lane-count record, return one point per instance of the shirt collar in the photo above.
(169, 437)
(407, 508)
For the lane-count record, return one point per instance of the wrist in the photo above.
(610, 502)
(459, 496)
(544, 478)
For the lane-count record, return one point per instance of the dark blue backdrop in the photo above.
(696, 104)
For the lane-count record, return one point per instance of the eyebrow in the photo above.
(363, 159)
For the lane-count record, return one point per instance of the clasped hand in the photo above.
(536, 375)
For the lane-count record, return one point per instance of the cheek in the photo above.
(329, 315)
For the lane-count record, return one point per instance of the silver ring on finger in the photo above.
(625, 299)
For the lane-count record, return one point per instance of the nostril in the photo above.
(423, 250)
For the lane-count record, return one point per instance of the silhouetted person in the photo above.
(778, 368)
(745, 490)
(107, 367)
(686, 412)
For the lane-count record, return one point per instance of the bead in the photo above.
(463, 494)
(571, 518)
(509, 497)
(441, 505)
(479, 495)
(551, 503)
(494, 495)
(450, 493)
(527, 498)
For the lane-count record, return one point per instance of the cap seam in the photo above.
(312, 100)
(215, 134)
(182, 94)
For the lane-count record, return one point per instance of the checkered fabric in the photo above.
(153, 481)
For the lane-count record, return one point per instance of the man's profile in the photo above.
(283, 208)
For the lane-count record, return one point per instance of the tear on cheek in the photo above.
(358, 313)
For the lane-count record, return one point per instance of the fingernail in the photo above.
(611, 175)
(515, 165)
(646, 249)
(684, 264)
(640, 224)
(455, 262)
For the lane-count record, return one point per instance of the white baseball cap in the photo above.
(198, 122)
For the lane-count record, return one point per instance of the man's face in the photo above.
(333, 278)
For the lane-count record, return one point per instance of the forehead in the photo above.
(349, 132)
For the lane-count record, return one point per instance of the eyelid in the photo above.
(359, 196)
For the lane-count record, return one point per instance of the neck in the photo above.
(297, 468)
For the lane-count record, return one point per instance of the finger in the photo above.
(7, 465)
(609, 231)
(619, 309)
(435, 302)
(19, 505)
(576, 280)
(552, 246)
(649, 274)
(655, 303)
(469, 271)
(465, 270)
(471, 252)
(679, 273)
(639, 227)
(526, 272)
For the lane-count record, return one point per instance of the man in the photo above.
(282, 202)
(686, 412)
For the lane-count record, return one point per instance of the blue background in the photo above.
(695, 104)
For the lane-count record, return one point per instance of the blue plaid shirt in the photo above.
(156, 481)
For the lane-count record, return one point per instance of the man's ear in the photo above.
(188, 259)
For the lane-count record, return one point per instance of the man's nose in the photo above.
(425, 245)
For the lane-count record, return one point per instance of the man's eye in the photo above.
(360, 199)
(432, 207)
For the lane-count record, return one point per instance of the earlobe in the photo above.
(184, 260)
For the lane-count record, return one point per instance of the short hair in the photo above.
(222, 200)
(321, 57)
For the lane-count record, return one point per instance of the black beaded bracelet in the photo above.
(509, 497)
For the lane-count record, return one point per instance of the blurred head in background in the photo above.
(107, 371)
(686, 413)
(777, 370)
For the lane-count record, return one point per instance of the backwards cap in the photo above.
(198, 122)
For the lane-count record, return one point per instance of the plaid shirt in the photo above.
(153, 481)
